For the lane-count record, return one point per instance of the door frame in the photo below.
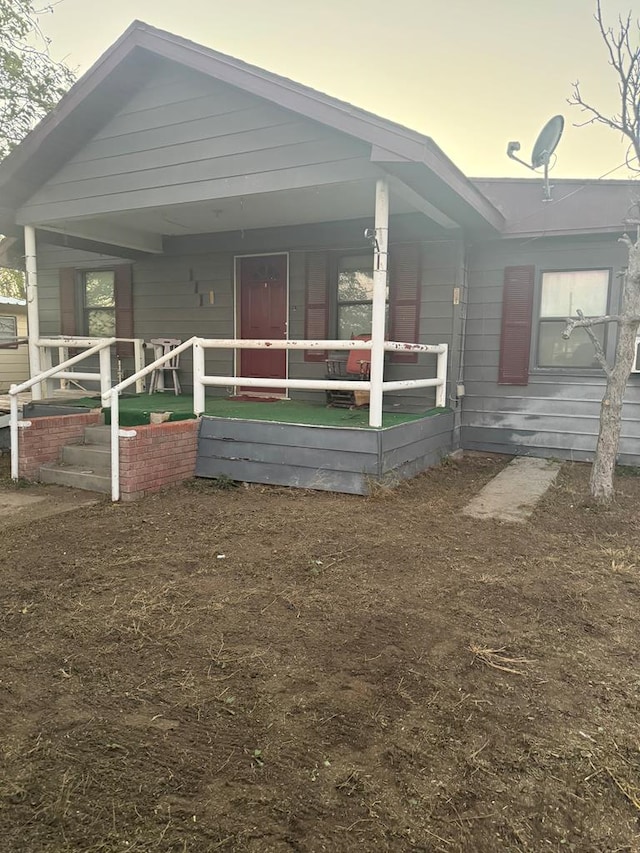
(236, 310)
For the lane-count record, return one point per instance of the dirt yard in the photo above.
(256, 669)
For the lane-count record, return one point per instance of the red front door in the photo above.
(263, 315)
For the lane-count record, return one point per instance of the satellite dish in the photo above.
(547, 142)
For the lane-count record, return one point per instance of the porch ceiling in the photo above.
(143, 230)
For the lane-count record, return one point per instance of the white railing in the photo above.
(63, 343)
(111, 397)
(92, 346)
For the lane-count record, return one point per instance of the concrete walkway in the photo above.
(32, 503)
(514, 493)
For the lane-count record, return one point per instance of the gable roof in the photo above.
(132, 60)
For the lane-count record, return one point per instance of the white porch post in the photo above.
(379, 301)
(199, 399)
(32, 307)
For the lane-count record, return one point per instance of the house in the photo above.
(14, 357)
(178, 192)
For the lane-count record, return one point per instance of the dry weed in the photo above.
(497, 658)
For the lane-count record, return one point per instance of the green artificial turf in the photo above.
(136, 409)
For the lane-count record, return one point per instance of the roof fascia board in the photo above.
(564, 232)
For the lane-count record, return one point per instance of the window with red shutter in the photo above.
(316, 324)
(97, 303)
(517, 313)
(405, 288)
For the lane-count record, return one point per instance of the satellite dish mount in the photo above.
(545, 145)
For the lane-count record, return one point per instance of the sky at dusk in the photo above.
(472, 74)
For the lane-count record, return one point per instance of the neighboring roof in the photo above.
(10, 300)
(131, 61)
(576, 206)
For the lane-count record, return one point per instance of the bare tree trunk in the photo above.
(601, 482)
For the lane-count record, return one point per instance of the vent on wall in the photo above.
(636, 361)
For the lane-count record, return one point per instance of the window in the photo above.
(99, 303)
(562, 294)
(8, 330)
(339, 292)
(355, 296)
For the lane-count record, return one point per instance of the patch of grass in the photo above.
(208, 484)
(627, 471)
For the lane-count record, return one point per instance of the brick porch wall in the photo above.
(42, 439)
(157, 455)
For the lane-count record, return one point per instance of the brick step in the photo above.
(76, 476)
(93, 457)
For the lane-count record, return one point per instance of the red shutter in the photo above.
(316, 321)
(68, 323)
(124, 309)
(404, 298)
(517, 311)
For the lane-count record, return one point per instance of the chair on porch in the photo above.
(357, 367)
(163, 346)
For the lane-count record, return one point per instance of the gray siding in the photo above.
(185, 137)
(557, 413)
(324, 458)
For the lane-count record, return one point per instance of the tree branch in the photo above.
(587, 323)
(624, 59)
(582, 322)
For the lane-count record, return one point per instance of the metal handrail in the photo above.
(145, 371)
(42, 377)
(13, 343)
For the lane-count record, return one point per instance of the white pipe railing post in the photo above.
(198, 374)
(46, 363)
(441, 373)
(63, 355)
(13, 431)
(138, 359)
(105, 372)
(33, 317)
(379, 302)
(115, 445)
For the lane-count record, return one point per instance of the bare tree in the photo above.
(623, 46)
